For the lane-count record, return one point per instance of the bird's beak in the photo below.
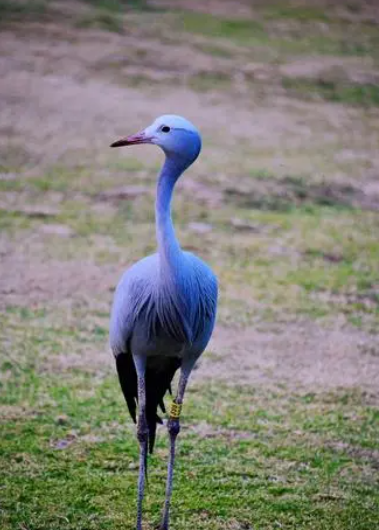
(139, 138)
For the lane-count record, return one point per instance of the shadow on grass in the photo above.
(119, 6)
(291, 192)
(11, 10)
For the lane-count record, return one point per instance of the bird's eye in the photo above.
(165, 129)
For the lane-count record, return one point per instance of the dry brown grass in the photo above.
(301, 356)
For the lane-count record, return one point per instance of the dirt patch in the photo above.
(369, 455)
(369, 299)
(123, 193)
(37, 211)
(57, 230)
(352, 69)
(74, 88)
(15, 412)
(301, 355)
(95, 361)
(204, 429)
(211, 196)
(26, 281)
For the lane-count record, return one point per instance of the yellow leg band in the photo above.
(175, 410)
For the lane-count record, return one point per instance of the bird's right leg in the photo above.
(142, 432)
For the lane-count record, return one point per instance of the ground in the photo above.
(281, 420)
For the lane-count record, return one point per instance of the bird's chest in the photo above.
(168, 325)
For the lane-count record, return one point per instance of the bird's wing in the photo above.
(133, 293)
(128, 292)
(204, 294)
(132, 320)
(128, 380)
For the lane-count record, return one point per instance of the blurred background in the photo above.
(281, 427)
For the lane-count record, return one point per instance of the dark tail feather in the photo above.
(158, 380)
(152, 424)
(128, 380)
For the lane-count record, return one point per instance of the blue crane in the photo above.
(164, 308)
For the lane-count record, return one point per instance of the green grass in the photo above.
(101, 18)
(297, 12)
(365, 95)
(69, 454)
(213, 49)
(22, 10)
(240, 30)
(119, 6)
(302, 37)
(115, 6)
(206, 81)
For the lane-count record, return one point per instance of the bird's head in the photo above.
(179, 139)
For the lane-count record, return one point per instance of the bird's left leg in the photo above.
(173, 427)
(142, 432)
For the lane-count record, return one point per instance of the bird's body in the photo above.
(160, 318)
(164, 307)
(165, 322)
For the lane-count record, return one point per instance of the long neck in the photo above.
(169, 249)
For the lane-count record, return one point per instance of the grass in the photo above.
(101, 19)
(206, 81)
(315, 241)
(283, 188)
(10, 10)
(269, 458)
(115, 6)
(303, 37)
(119, 6)
(91, 482)
(315, 262)
(365, 95)
(300, 12)
(241, 30)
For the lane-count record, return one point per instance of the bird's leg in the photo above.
(142, 433)
(173, 427)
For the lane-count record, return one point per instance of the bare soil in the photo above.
(302, 355)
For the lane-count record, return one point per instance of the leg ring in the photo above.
(175, 410)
